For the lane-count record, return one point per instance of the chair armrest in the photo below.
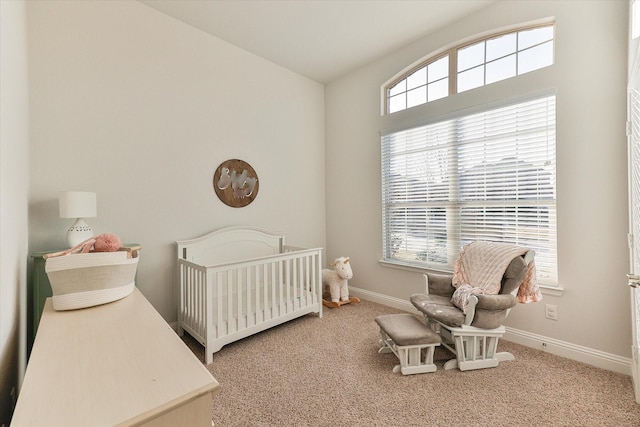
(439, 284)
(488, 311)
(496, 302)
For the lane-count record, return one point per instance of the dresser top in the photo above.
(114, 364)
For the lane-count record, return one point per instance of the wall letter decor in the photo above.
(235, 183)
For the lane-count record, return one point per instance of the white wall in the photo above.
(14, 181)
(141, 108)
(589, 77)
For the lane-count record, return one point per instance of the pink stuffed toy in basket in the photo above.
(91, 273)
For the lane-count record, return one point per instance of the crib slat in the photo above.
(195, 277)
(265, 275)
(288, 283)
(280, 284)
(229, 298)
(202, 318)
(258, 286)
(272, 305)
(304, 286)
(181, 296)
(294, 284)
(187, 299)
(195, 302)
(300, 284)
(192, 297)
(248, 312)
(305, 282)
(222, 329)
(240, 290)
(234, 317)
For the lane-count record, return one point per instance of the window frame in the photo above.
(452, 54)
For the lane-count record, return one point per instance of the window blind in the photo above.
(490, 175)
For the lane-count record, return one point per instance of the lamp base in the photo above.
(79, 232)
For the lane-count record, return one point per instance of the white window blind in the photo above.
(483, 176)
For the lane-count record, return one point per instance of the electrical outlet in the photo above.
(551, 312)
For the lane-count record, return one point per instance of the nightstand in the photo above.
(40, 289)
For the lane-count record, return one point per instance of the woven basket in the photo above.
(86, 280)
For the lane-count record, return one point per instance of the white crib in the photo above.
(238, 281)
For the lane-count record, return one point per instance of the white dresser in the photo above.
(118, 364)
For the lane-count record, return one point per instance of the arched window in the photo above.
(464, 67)
(487, 172)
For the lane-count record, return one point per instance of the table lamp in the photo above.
(79, 205)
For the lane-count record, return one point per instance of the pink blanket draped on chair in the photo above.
(482, 264)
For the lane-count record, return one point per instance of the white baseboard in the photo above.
(571, 351)
(400, 304)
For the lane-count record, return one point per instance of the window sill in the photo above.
(556, 291)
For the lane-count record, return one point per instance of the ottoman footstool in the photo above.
(406, 336)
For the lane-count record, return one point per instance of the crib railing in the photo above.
(192, 314)
(224, 299)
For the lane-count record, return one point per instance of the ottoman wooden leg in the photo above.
(406, 337)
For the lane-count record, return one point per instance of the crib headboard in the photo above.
(231, 244)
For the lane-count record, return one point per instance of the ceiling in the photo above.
(319, 39)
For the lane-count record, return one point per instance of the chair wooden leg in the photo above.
(476, 352)
(474, 348)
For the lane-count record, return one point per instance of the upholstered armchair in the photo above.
(473, 336)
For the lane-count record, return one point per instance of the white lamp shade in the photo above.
(78, 204)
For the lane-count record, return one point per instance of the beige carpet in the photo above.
(327, 372)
